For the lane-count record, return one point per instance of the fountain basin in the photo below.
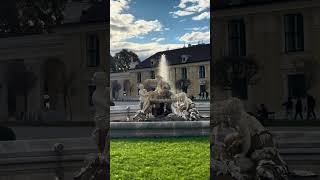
(159, 129)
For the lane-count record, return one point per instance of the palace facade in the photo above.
(282, 36)
(56, 68)
(189, 71)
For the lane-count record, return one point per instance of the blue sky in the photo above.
(149, 26)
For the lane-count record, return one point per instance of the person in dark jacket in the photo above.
(311, 103)
(298, 109)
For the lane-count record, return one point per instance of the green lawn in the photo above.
(160, 158)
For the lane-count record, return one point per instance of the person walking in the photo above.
(311, 102)
(289, 107)
(298, 109)
(207, 95)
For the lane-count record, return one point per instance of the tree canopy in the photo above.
(121, 60)
(30, 16)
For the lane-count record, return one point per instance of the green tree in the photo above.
(113, 66)
(30, 16)
(123, 59)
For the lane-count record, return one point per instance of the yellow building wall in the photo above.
(75, 59)
(175, 75)
(265, 44)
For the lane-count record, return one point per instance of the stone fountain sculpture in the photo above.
(242, 148)
(97, 166)
(163, 104)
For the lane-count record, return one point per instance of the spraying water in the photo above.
(164, 71)
(163, 68)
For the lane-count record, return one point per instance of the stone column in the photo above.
(35, 99)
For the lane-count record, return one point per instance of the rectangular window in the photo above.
(184, 73)
(296, 85)
(202, 88)
(202, 72)
(293, 27)
(139, 77)
(237, 38)
(93, 57)
(152, 75)
(240, 88)
(91, 88)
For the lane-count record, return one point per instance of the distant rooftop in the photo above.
(192, 54)
(224, 4)
(82, 12)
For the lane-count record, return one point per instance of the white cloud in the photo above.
(124, 26)
(195, 36)
(197, 28)
(178, 13)
(118, 6)
(204, 15)
(189, 7)
(157, 39)
(144, 50)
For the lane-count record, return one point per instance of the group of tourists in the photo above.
(299, 107)
(295, 108)
(204, 95)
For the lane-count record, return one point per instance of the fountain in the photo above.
(161, 103)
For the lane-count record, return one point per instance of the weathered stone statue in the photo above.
(97, 166)
(242, 147)
(184, 107)
(163, 103)
(142, 94)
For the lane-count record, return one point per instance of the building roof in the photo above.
(223, 4)
(96, 13)
(196, 53)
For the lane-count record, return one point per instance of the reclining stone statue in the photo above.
(246, 148)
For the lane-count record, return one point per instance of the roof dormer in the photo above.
(185, 58)
(153, 62)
